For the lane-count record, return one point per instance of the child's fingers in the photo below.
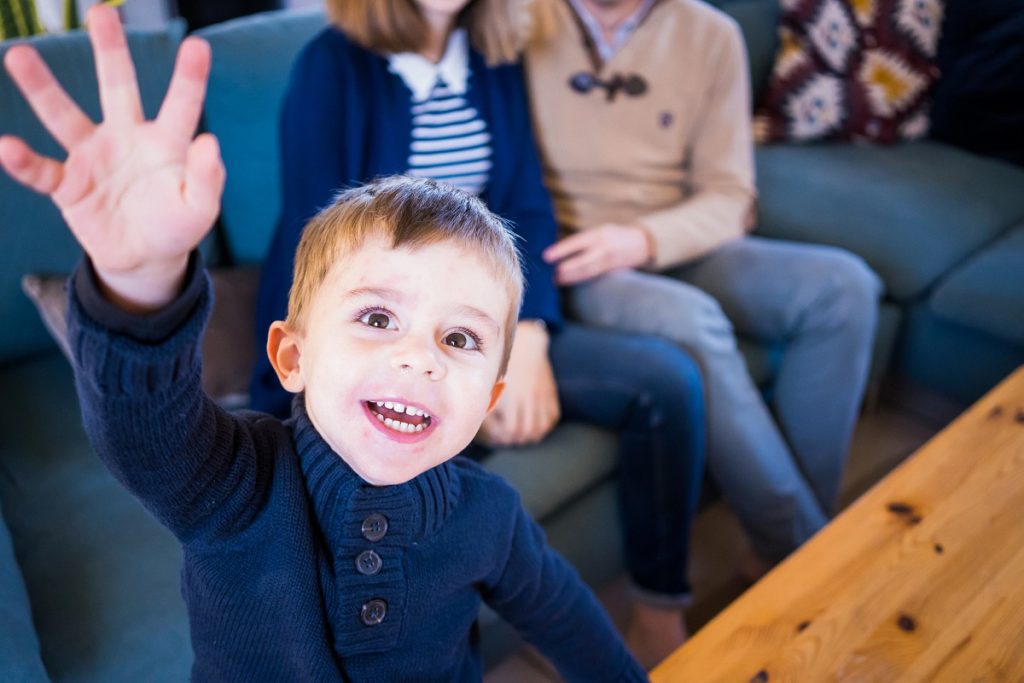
(183, 103)
(204, 175)
(119, 91)
(40, 173)
(57, 112)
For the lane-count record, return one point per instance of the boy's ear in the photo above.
(284, 348)
(496, 392)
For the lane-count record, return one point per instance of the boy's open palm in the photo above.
(138, 195)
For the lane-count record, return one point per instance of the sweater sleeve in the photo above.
(545, 599)
(314, 166)
(195, 467)
(526, 203)
(722, 166)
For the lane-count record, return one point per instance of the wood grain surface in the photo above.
(921, 579)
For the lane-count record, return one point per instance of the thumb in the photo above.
(33, 170)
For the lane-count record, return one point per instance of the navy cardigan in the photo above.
(346, 120)
(295, 569)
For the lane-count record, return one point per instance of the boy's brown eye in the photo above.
(377, 319)
(456, 339)
(462, 340)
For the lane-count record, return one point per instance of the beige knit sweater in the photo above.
(677, 160)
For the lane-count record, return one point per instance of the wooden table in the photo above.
(922, 579)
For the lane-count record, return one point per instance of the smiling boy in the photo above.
(344, 543)
(424, 292)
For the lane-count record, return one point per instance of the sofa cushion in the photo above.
(252, 59)
(33, 236)
(19, 647)
(987, 291)
(567, 464)
(852, 70)
(911, 211)
(959, 362)
(228, 350)
(102, 575)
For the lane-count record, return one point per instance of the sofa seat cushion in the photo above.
(19, 647)
(252, 59)
(987, 291)
(103, 577)
(549, 476)
(911, 211)
(947, 358)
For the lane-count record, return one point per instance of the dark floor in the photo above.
(883, 439)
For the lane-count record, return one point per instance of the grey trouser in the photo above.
(779, 465)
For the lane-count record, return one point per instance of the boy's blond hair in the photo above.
(412, 213)
(498, 29)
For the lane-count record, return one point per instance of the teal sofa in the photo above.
(942, 227)
(89, 583)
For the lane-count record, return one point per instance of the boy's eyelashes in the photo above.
(464, 339)
(376, 316)
(461, 338)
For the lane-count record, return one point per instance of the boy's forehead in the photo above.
(444, 272)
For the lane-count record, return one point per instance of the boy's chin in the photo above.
(396, 467)
(389, 477)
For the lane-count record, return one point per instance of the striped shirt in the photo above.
(450, 140)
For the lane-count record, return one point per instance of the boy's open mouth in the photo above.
(399, 417)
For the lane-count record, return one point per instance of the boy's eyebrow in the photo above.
(474, 312)
(380, 292)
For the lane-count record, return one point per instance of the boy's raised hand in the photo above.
(138, 195)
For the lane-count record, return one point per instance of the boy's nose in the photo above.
(420, 358)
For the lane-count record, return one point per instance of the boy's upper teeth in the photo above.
(402, 408)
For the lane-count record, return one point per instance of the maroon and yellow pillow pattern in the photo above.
(851, 70)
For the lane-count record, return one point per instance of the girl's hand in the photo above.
(138, 195)
(528, 409)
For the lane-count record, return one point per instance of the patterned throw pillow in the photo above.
(851, 70)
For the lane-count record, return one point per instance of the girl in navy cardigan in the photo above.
(428, 88)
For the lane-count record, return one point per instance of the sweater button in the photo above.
(374, 527)
(368, 563)
(373, 612)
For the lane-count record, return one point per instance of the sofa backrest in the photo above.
(33, 236)
(758, 19)
(252, 59)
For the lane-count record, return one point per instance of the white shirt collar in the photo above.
(420, 74)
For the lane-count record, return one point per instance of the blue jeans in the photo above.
(650, 393)
(779, 466)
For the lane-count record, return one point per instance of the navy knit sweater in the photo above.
(346, 120)
(295, 569)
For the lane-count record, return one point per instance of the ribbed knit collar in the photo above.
(341, 498)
